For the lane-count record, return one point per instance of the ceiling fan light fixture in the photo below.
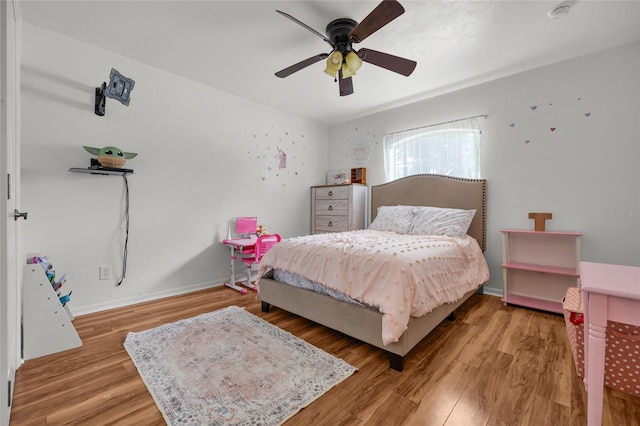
(334, 63)
(346, 71)
(353, 61)
(330, 73)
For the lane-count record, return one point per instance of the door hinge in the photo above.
(8, 186)
(9, 393)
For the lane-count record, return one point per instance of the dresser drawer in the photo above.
(329, 193)
(332, 207)
(331, 223)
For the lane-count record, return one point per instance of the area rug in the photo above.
(230, 367)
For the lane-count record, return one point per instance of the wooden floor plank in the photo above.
(519, 320)
(511, 362)
(395, 409)
(555, 379)
(484, 389)
(441, 395)
(545, 411)
(521, 381)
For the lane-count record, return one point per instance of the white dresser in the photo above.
(337, 208)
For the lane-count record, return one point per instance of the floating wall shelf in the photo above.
(102, 171)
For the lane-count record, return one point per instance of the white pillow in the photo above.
(393, 218)
(440, 221)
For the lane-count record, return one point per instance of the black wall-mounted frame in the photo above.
(119, 88)
(101, 99)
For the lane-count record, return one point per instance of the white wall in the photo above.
(203, 156)
(585, 171)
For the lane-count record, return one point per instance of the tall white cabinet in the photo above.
(46, 324)
(338, 208)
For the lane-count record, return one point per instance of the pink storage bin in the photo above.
(622, 357)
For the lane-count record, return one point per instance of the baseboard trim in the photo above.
(492, 291)
(127, 301)
(120, 303)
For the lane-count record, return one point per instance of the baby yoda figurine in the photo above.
(110, 156)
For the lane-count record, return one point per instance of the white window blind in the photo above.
(451, 149)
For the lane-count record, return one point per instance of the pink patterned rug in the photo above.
(230, 367)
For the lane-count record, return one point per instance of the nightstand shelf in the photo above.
(532, 302)
(538, 267)
(541, 268)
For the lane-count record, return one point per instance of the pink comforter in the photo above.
(403, 275)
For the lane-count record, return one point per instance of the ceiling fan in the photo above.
(343, 61)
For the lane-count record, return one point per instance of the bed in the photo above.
(361, 321)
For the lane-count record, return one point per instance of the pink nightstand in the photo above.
(611, 292)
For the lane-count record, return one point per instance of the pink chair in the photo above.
(245, 227)
(263, 245)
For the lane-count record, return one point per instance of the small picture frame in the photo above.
(338, 177)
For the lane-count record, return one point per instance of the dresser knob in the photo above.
(330, 194)
(330, 223)
(330, 208)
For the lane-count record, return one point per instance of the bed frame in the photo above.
(366, 324)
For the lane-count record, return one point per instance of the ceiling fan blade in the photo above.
(322, 36)
(345, 84)
(392, 63)
(384, 13)
(302, 64)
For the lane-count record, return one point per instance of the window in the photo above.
(451, 149)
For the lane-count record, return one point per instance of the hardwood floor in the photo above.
(493, 365)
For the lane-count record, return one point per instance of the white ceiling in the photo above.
(237, 46)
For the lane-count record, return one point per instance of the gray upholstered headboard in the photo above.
(436, 191)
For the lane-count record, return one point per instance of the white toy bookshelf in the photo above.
(46, 324)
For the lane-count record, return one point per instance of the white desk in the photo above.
(611, 293)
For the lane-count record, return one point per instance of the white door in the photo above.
(10, 270)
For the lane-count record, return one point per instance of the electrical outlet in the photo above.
(105, 272)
